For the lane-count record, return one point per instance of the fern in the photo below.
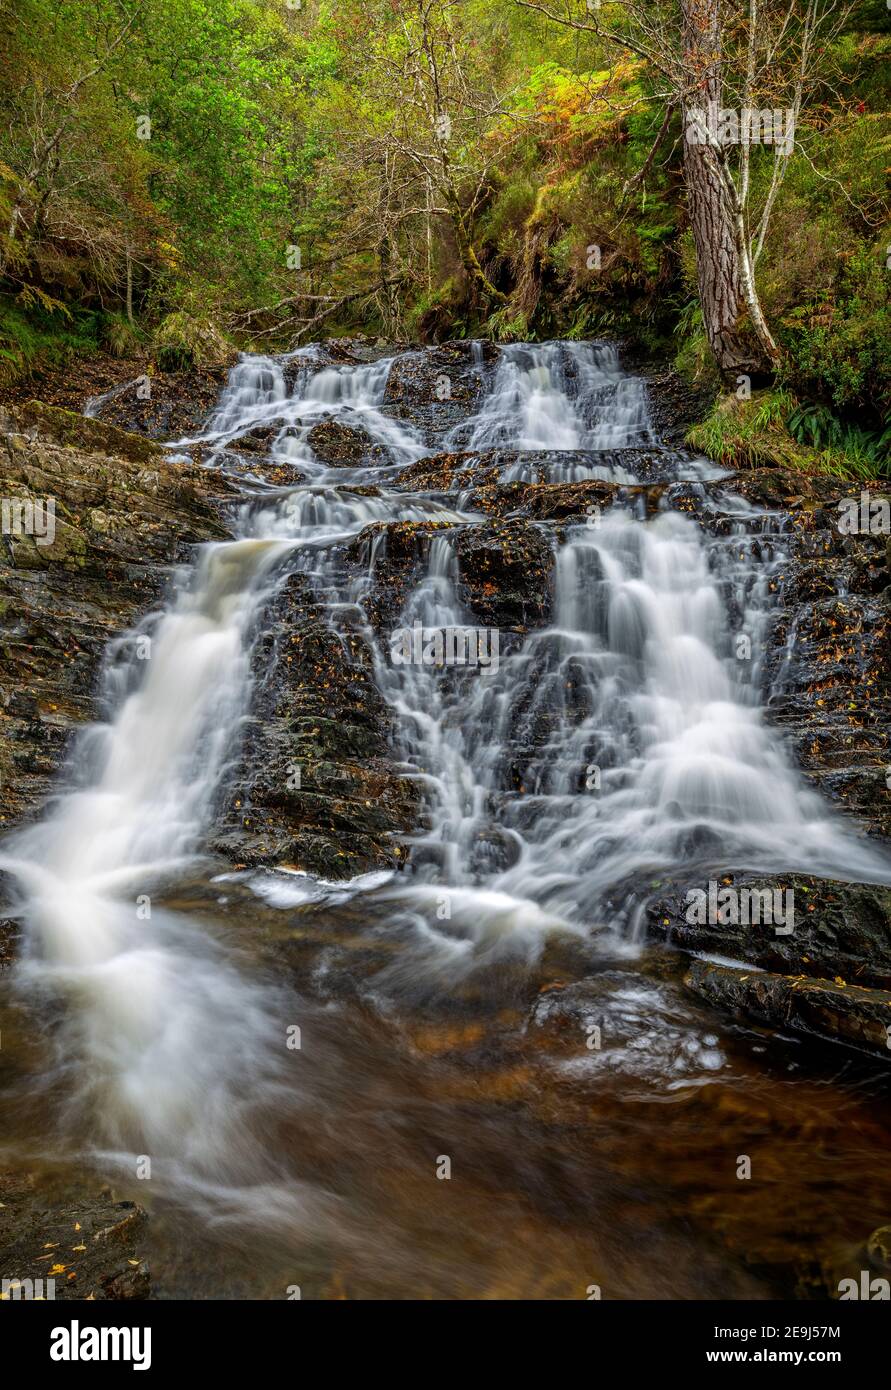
(817, 426)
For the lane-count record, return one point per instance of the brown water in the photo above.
(571, 1166)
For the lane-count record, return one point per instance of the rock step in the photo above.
(835, 1011)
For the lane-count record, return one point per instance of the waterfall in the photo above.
(258, 396)
(176, 1041)
(560, 396)
(147, 991)
(623, 740)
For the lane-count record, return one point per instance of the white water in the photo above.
(558, 396)
(636, 677)
(629, 725)
(257, 396)
(169, 1034)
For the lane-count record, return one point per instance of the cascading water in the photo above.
(560, 396)
(259, 396)
(147, 994)
(656, 751)
(148, 991)
(624, 739)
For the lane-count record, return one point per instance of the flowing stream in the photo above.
(623, 741)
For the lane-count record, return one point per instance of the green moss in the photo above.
(72, 430)
(183, 340)
(755, 434)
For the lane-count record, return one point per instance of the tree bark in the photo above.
(130, 289)
(470, 260)
(734, 323)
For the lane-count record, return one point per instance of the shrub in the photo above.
(182, 340)
(839, 349)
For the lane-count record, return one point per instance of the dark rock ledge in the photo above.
(830, 978)
(90, 1245)
(316, 786)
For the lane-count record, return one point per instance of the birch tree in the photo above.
(738, 72)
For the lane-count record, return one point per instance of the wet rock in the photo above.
(447, 472)
(826, 687)
(447, 373)
(257, 440)
(124, 515)
(676, 403)
(834, 703)
(391, 554)
(787, 488)
(841, 929)
(359, 347)
(260, 468)
(450, 472)
(340, 445)
(8, 934)
(177, 405)
(828, 663)
(435, 390)
(504, 570)
(316, 787)
(567, 502)
(835, 1012)
(128, 1283)
(89, 1244)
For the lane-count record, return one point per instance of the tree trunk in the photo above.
(469, 258)
(738, 337)
(386, 258)
(130, 289)
(6, 251)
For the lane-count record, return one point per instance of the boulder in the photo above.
(841, 929)
(340, 445)
(89, 1243)
(316, 786)
(504, 573)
